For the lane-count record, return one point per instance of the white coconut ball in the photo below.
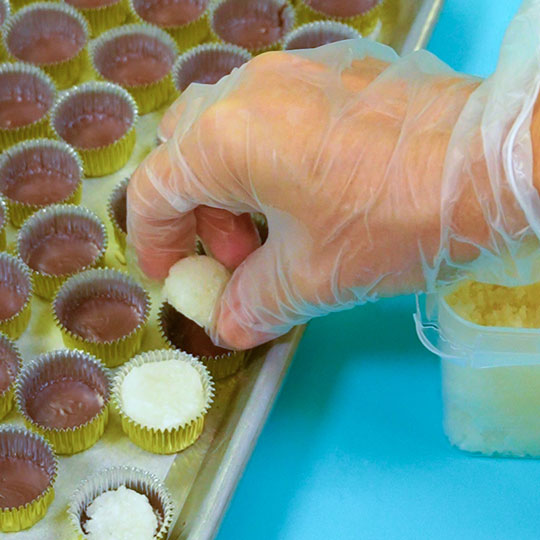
(194, 287)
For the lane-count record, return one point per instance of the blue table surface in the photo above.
(354, 448)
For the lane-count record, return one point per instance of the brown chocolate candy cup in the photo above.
(132, 478)
(38, 173)
(10, 366)
(27, 96)
(117, 211)
(5, 11)
(81, 387)
(138, 57)
(59, 241)
(35, 466)
(183, 334)
(98, 119)
(49, 35)
(316, 34)
(102, 15)
(342, 8)
(207, 64)
(258, 26)
(15, 295)
(103, 312)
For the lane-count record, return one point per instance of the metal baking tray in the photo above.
(202, 479)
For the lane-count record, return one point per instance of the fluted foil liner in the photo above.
(16, 275)
(36, 86)
(159, 441)
(102, 283)
(141, 40)
(10, 355)
(222, 11)
(318, 33)
(42, 18)
(364, 22)
(138, 480)
(193, 65)
(220, 366)
(107, 99)
(117, 212)
(58, 219)
(45, 155)
(186, 35)
(61, 365)
(4, 220)
(105, 16)
(21, 443)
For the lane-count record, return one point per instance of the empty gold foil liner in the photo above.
(318, 33)
(187, 34)
(23, 444)
(16, 275)
(37, 87)
(223, 11)
(138, 480)
(41, 18)
(42, 156)
(66, 219)
(140, 41)
(98, 283)
(202, 62)
(117, 211)
(10, 356)
(102, 99)
(61, 365)
(108, 14)
(365, 21)
(158, 441)
(172, 326)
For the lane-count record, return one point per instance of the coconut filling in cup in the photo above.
(50, 35)
(207, 64)
(27, 96)
(60, 241)
(98, 120)
(257, 26)
(139, 58)
(38, 173)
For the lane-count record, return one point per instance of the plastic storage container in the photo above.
(490, 381)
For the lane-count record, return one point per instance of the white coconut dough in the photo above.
(194, 287)
(121, 514)
(163, 395)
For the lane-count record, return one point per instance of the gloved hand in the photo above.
(377, 175)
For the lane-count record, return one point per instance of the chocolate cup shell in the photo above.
(11, 355)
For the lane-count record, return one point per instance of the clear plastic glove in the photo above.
(377, 175)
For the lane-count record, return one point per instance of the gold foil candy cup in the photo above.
(207, 64)
(4, 220)
(162, 441)
(31, 34)
(180, 333)
(94, 285)
(5, 11)
(234, 21)
(117, 211)
(150, 47)
(41, 161)
(15, 288)
(102, 15)
(21, 444)
(65, 221)
(188, 30)
(98, 119)
(318, 33)
(138, 480)
(10, 367)
(21, 86)
(60, 366)
(363, 15)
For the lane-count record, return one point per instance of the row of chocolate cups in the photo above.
(29, 456)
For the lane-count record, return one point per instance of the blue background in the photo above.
(354, 447)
